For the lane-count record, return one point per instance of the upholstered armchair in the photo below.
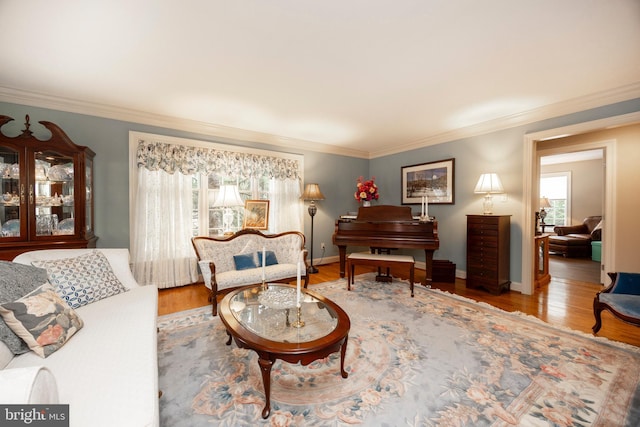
(621, 298)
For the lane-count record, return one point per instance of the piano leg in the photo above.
(428, 260)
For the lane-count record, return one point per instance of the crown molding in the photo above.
(41, 100)
(600, 99)
(16, 96)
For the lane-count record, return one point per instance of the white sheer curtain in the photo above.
(285, 212)
(161, 252)
(161, 198)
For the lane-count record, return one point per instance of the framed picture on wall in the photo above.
(434, 180)
(256, 214)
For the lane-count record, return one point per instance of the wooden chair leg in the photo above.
(411, 276)
(597, 313)
(353, 274)
(213, 299)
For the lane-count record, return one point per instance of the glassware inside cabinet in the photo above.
(46, 191)
(10, 187)
(88, 196)
(54, 198)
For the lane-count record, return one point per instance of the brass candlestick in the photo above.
(425, 218)
(298, 323)
(264, 285)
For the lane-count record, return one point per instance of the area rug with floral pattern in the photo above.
(433, 360)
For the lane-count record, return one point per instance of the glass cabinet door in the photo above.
(11, 192)
(88, 183)
(54, 194)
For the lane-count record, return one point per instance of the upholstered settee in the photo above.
(237, 260)
(575, 240)
(107, 370)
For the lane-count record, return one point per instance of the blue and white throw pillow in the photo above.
(83, 279)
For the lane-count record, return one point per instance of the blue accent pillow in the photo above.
(270, 258)
(244, 261)
(627, 283)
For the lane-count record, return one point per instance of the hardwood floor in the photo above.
(582, 269)
(563, 302)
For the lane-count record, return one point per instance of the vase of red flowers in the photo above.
(366, 191)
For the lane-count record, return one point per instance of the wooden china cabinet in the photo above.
(47, 192)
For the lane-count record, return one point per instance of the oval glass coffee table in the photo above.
(266, 321)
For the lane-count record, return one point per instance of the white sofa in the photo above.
(218, 266)
(108, 371)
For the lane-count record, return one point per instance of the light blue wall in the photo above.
(500, 152)
(110, 141)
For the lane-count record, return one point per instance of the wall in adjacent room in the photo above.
(587, 187)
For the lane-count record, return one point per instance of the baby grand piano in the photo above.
(387, 227)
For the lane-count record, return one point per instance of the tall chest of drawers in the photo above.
(488, 250)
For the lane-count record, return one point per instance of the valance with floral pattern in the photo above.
(190, 160)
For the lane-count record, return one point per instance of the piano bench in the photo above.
(379, 260)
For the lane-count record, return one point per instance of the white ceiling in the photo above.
(363, 78)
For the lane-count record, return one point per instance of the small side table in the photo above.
(541, 253)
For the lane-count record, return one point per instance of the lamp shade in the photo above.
(544, 203)
(489, 183)
(228, 196)
(312, 192)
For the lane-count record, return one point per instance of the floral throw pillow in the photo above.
(83, 279)
(43, 320)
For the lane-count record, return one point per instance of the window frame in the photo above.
(568, 202)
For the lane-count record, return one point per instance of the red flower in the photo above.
(366, 190)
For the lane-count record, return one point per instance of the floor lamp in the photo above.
(312, 192)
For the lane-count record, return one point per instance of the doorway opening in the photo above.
(531, 171)
(572, 185)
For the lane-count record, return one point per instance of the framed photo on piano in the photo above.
(435, 180)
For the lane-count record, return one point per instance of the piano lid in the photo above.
(383, 213)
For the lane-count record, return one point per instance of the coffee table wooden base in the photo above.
(266, 360)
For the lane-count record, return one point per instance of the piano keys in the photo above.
(387, 227)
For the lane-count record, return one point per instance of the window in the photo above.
(207, 218)
(174, 183)
(557, 188)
